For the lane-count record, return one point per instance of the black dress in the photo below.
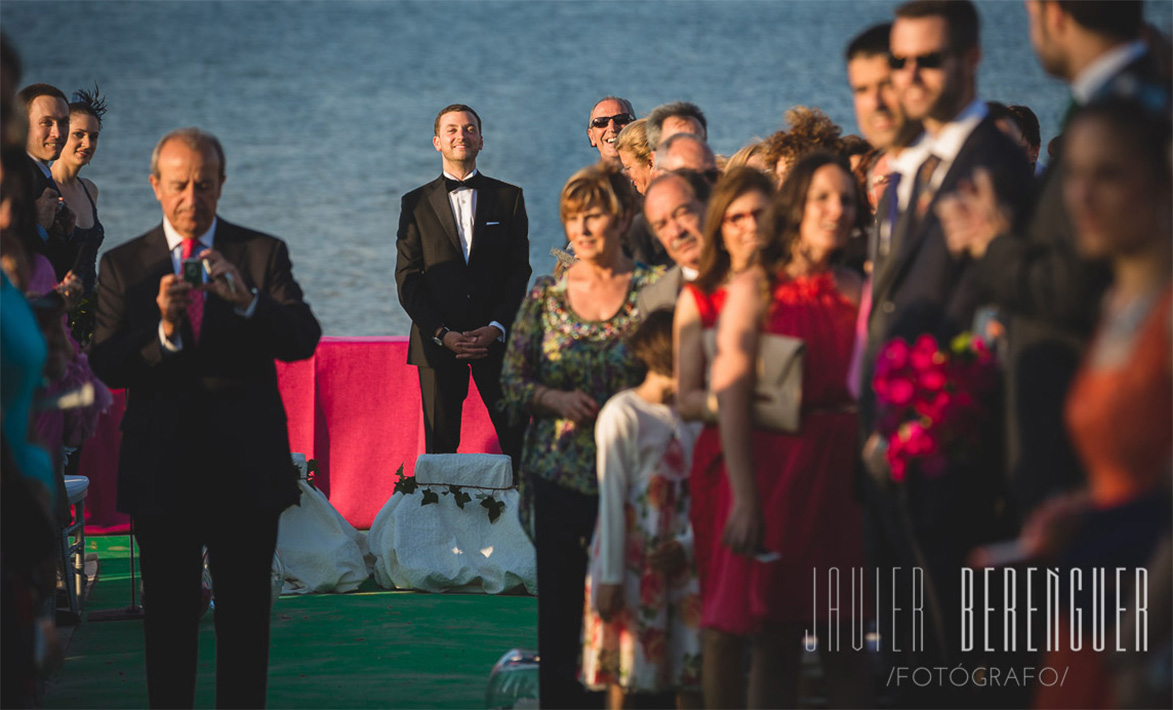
(87, 242)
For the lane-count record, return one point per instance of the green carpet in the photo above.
(371, 648)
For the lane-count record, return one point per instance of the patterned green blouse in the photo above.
(551, 345)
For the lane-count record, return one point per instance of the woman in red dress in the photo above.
(783, 506)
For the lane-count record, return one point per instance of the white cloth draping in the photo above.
(440, 546)
(321, 551)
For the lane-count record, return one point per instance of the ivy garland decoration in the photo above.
(430, 493)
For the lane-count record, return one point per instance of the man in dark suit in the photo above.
(462, 270)
(920, 287)
(1030, 268)
(675, 212)
(48, 122)
(205, 451)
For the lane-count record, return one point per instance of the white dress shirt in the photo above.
(464, 209)
(1095, 75)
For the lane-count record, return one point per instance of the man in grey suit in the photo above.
(675, 212)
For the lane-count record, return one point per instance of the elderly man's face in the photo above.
(188, 186)
(607, 119)
(686, 154)
(674, 216)
(681, 124)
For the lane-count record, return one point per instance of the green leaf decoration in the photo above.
(312, 466)
(495, 507)
(429, 497)
(404, 484)
(461, 498)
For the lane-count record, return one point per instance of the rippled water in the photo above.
(325, 109)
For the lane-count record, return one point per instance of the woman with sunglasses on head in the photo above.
(81, 194)
(782, 502)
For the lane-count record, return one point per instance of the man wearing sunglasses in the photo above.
(919, 287)
(609, 115)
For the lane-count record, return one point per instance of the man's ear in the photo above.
(589, 139)
(436, 142)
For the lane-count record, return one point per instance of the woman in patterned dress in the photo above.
(642, 621)
(566, 356)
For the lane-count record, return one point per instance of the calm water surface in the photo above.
(325, 109)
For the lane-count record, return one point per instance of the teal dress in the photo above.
(22, 358)
(551, 345)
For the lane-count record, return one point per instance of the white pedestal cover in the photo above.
(439, 546)
(322, 552)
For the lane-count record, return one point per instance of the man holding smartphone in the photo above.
(205, 457)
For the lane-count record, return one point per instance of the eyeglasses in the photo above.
(741, 219)
(930, 60)
(620, 119)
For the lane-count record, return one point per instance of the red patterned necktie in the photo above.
(195, 311)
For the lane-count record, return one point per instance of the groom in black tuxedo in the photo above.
(462, 270)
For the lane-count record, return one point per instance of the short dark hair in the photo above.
(872, 42)
(454, 108)
(960, 15)
(1028, 123)
(89, 103)
(1122, 19)
(1147, 130)
(32, 92)
(676, 108)
(651, 343)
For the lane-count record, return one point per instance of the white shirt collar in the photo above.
(947, 143)
(1095, 75)
(42, 165)
(689, 274)
(450, 176)
(174, 238)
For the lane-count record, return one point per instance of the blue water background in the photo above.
(325, 109)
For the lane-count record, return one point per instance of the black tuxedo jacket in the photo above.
(436, 287)
(206, 424)
(62, 254)
(920, 287)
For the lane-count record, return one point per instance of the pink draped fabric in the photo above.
(354, 407)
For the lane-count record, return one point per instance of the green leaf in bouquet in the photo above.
(429, 497)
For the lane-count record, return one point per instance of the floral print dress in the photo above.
(653, 643)
(551, 345)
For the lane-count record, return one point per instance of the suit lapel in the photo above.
(438, 198)
(486, 201)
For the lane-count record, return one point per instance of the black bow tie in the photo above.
(472, 183)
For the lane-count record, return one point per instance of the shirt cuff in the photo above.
(173, 346)
(42, 233)
(251, 309)
(498, 326)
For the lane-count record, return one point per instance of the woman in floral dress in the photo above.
(566, 357)
(642, 620)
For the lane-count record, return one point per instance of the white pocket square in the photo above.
(490, 224)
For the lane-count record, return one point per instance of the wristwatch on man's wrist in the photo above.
(438, 338)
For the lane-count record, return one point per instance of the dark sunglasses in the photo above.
(932, 60)
(621, 119)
